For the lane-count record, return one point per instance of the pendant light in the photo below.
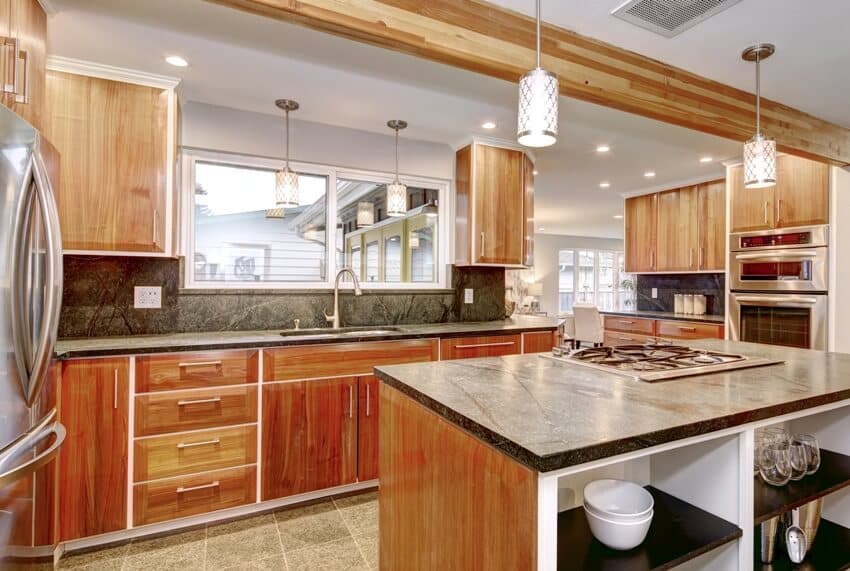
(759, 152)
(396, 191)
(537, 124)
(365, 214)
(413, 241)
(286, 180)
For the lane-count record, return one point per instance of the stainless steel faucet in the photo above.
(357, 291)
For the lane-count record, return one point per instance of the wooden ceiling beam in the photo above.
(484, 38)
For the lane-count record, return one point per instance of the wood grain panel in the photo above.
(309, 436)
(176, 371)
(187, 453)
(498, 227)
(463, 205)
(538, 341)
(174, 498)
(441, 474)
(616, 338)
(94, 407)
(677, 233)
(688, 330)
(29, 26)
(333, 360)
(480, 346)
(640, 235)
(528, 207)
(498, 42)
(367, 428)
(160, 413)
(751, 208)
(802, 192)
(712, 225)
(629, 324)
(112, 137)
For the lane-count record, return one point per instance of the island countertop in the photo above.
(550, 415)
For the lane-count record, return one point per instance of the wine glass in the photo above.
(799, 456)
(775, 462)
(813, 450)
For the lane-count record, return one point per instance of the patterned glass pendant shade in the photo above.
(286, 180)
(365, 214)
(396, 191)
(537, 121)
(759, 152)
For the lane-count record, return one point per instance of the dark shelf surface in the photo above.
(833, 474)
(830, 552)
(679, 532)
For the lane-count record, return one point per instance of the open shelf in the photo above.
(679, 532)
(830, 552)
(833, 474)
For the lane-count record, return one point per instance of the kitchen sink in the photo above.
(341, 332)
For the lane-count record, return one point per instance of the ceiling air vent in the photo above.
(670, 17)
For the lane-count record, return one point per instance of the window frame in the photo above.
(190, 156)
(615, 291)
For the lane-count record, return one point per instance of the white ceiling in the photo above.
(244, 61)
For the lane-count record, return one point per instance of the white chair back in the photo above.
(589, 326)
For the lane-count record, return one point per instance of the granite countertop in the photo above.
(141, 344)
(716, 319)
(549, 415)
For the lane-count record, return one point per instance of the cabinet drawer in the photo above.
(471, 347)
(195, 370)
(190, 495)
(539, 341)
(161, 413)
(630, 324)
(188, 453)
(616, 338)
(689, 330)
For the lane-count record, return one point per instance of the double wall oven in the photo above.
(778, 281)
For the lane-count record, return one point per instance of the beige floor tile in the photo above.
(181, 551)
(106, 559)
(360, 512)
(368, 544)
(271, 564)
(242, 542)
(339, 555)
(310, 525)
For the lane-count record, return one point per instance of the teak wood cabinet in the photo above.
(494, 207)
(23, 23)
(678, 230)
(799, 198)
(118, 144)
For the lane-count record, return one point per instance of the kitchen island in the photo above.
(492, 456)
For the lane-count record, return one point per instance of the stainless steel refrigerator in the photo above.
(30, 299)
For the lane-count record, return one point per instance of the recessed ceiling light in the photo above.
(706, 159)
(604, 184)
(177, 61)
(618, 216)
(649, 174)
(603, 149)
(534, 172)
(488, 125)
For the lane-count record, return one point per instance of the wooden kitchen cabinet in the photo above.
(752, 208)
(641, 233)
(494, 207)
(367, 428)
(688, 330)
(309, 436)
(118, 146)
(677, 232)
(94, 407)
(712, 226)
(25, 22)
(539, 341)
(479, 346)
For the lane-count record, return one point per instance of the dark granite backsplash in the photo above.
(713, 286)
(98, 302)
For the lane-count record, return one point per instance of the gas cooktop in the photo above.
(657, 362)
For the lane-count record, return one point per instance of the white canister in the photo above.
(688, 303)
(678, 303)
(699, 304)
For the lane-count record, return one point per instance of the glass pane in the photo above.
(372, 261)
(626, 285)
(392, 259)
(240, 236)
(786, 326)
(423, 255)
(566, 276)
(354, 261)
(586, 276)
(605, 289)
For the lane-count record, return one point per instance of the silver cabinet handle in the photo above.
(213, 484)
(700, 257)
(22, 97)
(778, 211)
(154, 225)
(626, 338)
(5, 44)
(688, 329)
(482, 244)
(199, 364)
(350, 401)
(115, 390)
(765, 211)
(784, 301)
(766, 256)
(652, 260)
(368, 399)
(213, 442)
(691, 258)
(198, 401)
(624, 322)
(479, 345)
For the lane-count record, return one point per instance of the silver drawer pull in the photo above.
(368, 399)
(200, 364)
(626, 322)
(182, 490)
(213, 442)
(626, 338)
(690, 329)
(198, 401)
(479, 345)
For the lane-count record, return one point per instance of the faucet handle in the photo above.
(328, 317)
(297, 324)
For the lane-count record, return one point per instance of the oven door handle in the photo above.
(767, 256)
(778, 300)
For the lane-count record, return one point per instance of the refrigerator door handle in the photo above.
(21, 332)
(46, 427)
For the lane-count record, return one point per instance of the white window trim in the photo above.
(187, 220)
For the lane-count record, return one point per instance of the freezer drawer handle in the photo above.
(213, 484)
(213, 442)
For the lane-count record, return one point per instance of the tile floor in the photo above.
(338, 534)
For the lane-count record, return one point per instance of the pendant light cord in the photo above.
(758, 93)
(396, 155)
(538, 34)
(287, 139)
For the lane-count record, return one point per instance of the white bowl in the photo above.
(618, 498)
(618, 518)
(617, 534)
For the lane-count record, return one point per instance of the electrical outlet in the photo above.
(147, 297)
(467, 295)
(655, 293)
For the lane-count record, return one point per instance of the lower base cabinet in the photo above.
(367, 428)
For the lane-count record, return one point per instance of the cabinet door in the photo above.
(528, 182)
(499, 224)
(751, 208)
(309, 437)
(367, 429)
(802, 192)
(29, 26)
(641, 228)
(712, 225)
(112, 138)
(677, 230)
(94, 407)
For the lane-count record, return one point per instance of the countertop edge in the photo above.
(666, 316)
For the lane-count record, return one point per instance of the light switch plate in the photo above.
(655, 293)
(147, 297)
(467, 295)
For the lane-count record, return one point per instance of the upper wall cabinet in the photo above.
(641, 233)
(494, 207)
(800, 197)
(22, 64)
(118, 145)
